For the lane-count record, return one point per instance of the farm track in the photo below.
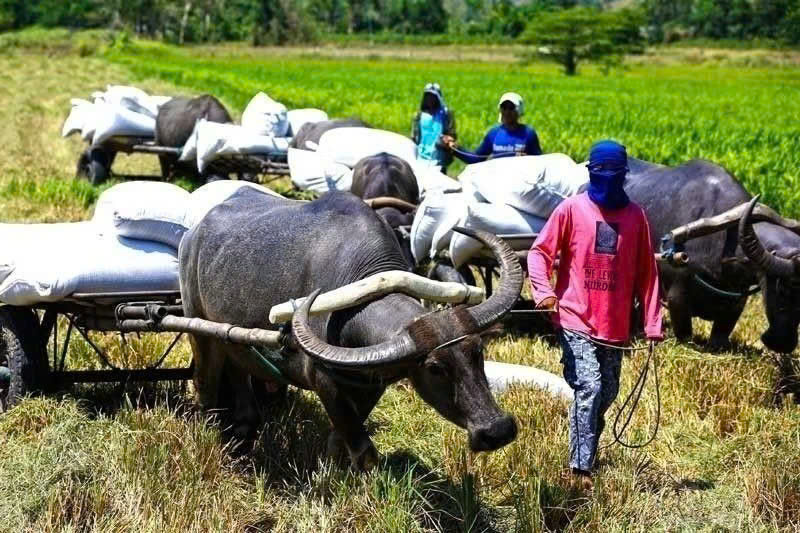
(726, 458)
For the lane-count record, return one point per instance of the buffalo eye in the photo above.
(437, 370)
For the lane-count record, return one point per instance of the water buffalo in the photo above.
(312, 131)
(174, 124)
(385, 175)
(255, 250)
(725, 264)
(390, 182)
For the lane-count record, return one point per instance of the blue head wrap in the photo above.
(608, 165)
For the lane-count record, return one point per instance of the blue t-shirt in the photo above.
(502, 142)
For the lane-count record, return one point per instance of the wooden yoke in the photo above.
(708, 225)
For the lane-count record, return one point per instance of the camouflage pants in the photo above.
(593, 372)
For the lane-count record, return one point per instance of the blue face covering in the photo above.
(608, 166)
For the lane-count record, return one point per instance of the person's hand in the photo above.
(448, 142)
(548, 304)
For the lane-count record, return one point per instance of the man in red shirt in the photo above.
(603, 241)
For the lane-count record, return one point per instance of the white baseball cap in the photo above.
(515, 99)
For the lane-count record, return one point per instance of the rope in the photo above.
(635, 395)
(726, 294)
(614, 346)
(470, 154)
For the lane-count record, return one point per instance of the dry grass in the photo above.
(726, 459)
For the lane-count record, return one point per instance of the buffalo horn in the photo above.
(411, 341)
(755, 251)
(389, 201)
(503, 299)
(396, 350)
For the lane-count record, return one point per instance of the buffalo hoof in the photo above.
(366, 460)
(336, 449)
(716, 345)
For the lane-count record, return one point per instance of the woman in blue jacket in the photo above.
(509, 138)
(432, 125)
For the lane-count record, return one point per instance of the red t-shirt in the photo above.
(605, 260)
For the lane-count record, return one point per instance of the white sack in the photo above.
(86, 262)
(535, 184)
(134, 99)
(350, 145)
(80, 116)
(215, 140)
(433, 223)
(430, 178)
(316, 172)
(298, 117)
(148, 210)
(503, 375)
(494, 218)
(265, 116)
(189, 150)
(208, 196)
(114, 120)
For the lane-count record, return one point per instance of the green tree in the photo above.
(581, 33)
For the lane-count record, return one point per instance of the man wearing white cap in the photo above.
(507, 139)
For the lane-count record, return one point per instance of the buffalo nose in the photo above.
(497, 434)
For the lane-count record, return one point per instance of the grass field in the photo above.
(119, 459)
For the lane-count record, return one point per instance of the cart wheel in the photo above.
(95, 165)
(22, 354)
(82, 168)
(99, 167)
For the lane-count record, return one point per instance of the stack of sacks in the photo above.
(312, 171)
(266, 129)
(131, 244)
(158, 211)
(119, 111)
(340, 149)
(265, 116)
(210, 140)
(513, 195)
(78, 257)
(535, 184)
(299, 117)
(437, 215)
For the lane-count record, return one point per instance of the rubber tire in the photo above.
(23, 350)
(82, 168)
(99, 167)
(95, 165)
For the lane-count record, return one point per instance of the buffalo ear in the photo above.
(496, 330)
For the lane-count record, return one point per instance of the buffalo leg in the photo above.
(347, 409)
(679, 310)
(245, 412)
(209, 362)
(723, 327)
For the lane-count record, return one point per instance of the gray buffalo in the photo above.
(255, 250)
(174, 124)
(392, 185)
(312, 131)
(726, 264)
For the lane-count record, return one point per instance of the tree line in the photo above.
(294, 21)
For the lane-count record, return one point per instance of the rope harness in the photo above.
(633, 399)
